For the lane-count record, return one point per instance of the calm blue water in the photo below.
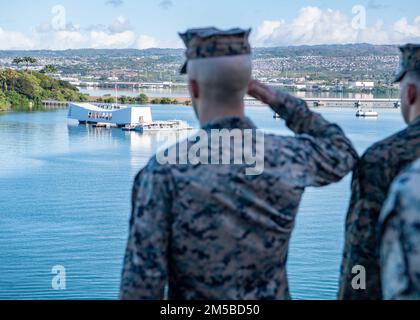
(65, 200)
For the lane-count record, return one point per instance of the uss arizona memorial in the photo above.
(87, 113)
(131, 118)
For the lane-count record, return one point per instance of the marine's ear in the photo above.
(195, 91)
(412, 94)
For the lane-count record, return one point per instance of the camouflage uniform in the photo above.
(372, 178)
(212, 42)
(400, 237)
(213, 232)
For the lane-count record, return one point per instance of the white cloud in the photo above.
(403, 29)
(311, 26)
(61, 40)
(146, 42)
(120, 24)
(10, 40)
(316, 26)
(48, 27)
(105, 40)
(118, 35)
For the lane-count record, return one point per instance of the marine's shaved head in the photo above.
(219, 83)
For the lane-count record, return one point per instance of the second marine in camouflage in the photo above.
(372, 179)
(399, 235)
(212, 231)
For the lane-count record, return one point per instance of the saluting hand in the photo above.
(262, 92)
(280, 101)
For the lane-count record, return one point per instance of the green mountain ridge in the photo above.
(21, 90)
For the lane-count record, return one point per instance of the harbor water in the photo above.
(65, 201)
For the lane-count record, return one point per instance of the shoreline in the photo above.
(179, 100)
(186, 102)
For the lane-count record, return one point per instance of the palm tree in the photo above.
(29, 61)
(49, 68)
(17, 61)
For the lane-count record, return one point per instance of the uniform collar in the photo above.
(230, 123)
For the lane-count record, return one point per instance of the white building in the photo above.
(109, 114)
(362, 85)
(71, 80)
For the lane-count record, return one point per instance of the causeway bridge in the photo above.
(341, 102)
(312, 102)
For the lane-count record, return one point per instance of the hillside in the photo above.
(321, 62)
(342, 50)
(23, 90)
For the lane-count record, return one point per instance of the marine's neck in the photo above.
(414, 114)
(209, 111)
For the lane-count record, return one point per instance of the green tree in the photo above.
(155, 101)
(166, 101)
(142, 99)
(3, 101)
(109, 100)
(3, 81)
(49, 68)
(123, 99)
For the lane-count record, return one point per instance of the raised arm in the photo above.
(324, 150)
(145, 270)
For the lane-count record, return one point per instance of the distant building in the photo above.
(368, 85)
(73, 81)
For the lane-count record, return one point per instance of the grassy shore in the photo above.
(141, 99)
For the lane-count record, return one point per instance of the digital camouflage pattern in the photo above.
(212, 42)
(372, 178)
(400, 237)
(213, 232)
(410, 60)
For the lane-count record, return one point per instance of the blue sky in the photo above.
(52, 24)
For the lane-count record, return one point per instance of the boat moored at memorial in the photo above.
(171, 125)
(366, 113)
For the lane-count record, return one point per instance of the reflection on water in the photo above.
(141, 145)
(65, 200)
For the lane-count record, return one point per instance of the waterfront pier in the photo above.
(54, 104)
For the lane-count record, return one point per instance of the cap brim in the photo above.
(184, 68)
(399, 76)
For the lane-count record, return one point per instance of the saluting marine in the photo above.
(212, 231)
(372, 178)
(400, 237)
